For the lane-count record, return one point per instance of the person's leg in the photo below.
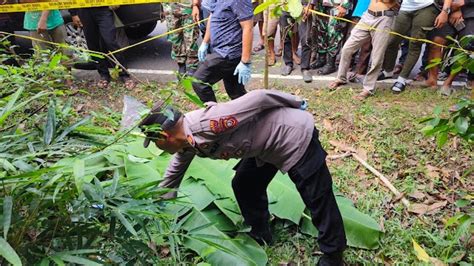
(286, 26)
(178, 51)
(104, 18)
(321, 40)
(335, 35)
(402, 25)
(208, 73)
(422, 19)
(191, 36)
(231, 82)
(93, 39)
(380, 39)
(305, 39)
(314, 183)
(250, 188)
(357, 37)
(434, 52)
(295, 42)
(364, 57)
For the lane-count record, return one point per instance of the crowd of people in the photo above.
(363, 51)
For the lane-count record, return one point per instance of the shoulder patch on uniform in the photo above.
(190, 140)
(224, 123)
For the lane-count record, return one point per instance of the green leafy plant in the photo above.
(459, 123)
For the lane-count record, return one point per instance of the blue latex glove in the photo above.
(304, 105)
(202, 52)
(244, 71)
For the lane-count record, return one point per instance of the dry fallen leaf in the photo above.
(416, 195)
(420, 208)
(342, 146)
(327, 125)
(432, 172)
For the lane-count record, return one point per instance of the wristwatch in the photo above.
(447, 10)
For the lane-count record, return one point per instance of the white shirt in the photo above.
(414, 5)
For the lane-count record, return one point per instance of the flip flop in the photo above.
(335, 84)
(398, 87)
(129, 83)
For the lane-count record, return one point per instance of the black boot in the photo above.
(333, 259)
(319, 62)
(330, 66)
(263, 237)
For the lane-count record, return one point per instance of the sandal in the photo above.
(129, 83)
(102, 84)
(258, 48)
(362, 95)
(398, 87)
(335, 84)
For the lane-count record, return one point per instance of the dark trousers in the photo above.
(211, 71)
(304, 30)
(314, 183)
(101, 36)
(6, 26)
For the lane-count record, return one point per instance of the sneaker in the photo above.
(307, 77)
(287, 69)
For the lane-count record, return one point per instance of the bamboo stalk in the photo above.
(383, 178)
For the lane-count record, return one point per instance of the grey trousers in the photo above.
(358, 35)
(416, 24)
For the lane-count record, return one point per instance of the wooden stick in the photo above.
(383, 178)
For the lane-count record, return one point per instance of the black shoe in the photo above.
(181, 69)
(398, 87)
(329, 68)
(286, 70)
(320, 62)
(307, 77)
(334, 259)
(263, 237)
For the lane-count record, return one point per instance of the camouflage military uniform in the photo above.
(329, 31)
(184, 43)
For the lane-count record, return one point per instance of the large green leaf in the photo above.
(285, 202)
(216, 247)
(9, 253)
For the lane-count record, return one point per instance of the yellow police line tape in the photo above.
(363, 25)
(41, 5)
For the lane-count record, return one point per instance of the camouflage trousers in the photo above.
(184, 43)
(328, 33)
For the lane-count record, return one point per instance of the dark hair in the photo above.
(159, 119)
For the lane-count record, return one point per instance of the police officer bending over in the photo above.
(269, 131)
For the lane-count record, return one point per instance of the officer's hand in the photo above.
(244, 71)
(202, 52)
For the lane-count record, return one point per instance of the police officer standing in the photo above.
(229, 33)
(269, 131)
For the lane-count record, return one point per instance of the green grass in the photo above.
(387, 127)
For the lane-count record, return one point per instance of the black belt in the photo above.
(388, 13)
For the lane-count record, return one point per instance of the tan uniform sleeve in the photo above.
(175, 172)
(251, 104)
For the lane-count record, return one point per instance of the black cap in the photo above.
(164, 118)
